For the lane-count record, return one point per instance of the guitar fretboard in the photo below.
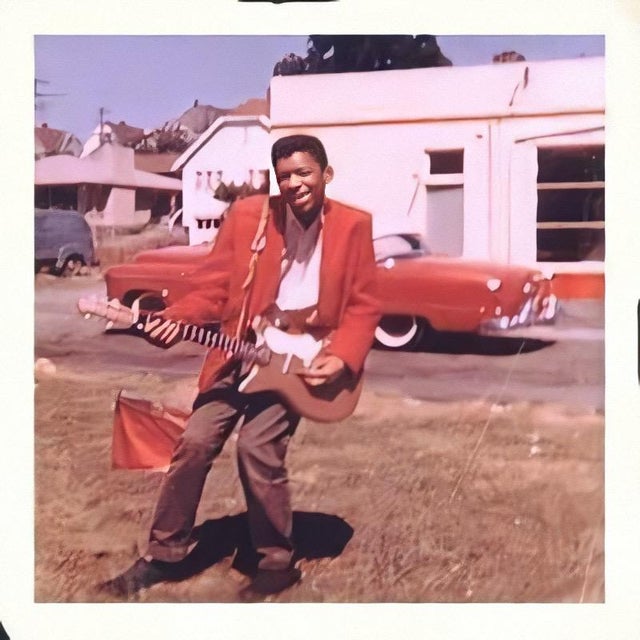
(217, 339)
(162, 332)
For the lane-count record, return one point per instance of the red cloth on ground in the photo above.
(144, 432)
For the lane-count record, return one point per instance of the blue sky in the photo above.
(146, 80)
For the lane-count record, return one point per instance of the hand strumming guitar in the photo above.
(324, 368)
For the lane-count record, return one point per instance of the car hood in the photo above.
(149, 269)
(174, 254)
(447, 268)
(440, 268)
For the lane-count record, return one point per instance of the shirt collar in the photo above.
(291, 222)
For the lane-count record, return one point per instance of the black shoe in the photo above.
(269, 581)
(143, 573)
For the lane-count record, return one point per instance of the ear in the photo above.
(328, 174)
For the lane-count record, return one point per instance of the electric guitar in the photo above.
(277, 358)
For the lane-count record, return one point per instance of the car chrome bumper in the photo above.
(533, 312)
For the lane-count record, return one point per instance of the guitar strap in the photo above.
(257, 245)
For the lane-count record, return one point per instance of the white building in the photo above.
(502, 162)
(230, 159)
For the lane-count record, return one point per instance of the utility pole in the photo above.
(37, 94)
(104, 137)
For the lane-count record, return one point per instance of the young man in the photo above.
(313, 254)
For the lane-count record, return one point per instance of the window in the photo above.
(208, 223)
(445, 200)
(570, 210)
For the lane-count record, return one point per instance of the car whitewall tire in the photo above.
(397, 332)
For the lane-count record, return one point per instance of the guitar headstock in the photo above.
(113, 310)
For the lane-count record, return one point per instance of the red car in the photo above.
(419, 292)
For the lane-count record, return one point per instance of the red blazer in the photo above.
(347, 301)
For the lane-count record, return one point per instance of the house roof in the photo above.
(50, 141)
(154, 162)
(252, 107)
(119, 134)
(201, 116)
(222, 121)
(433, 94)
(125, 134)
(110, 164)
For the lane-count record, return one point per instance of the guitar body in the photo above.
(329, 402)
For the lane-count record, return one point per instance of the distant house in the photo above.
(51, 142)
(105, 186)
(229, 160)
(220, 155)
(147, 157)
(198, 118)
(121, 133)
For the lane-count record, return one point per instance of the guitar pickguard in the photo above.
(303, 346)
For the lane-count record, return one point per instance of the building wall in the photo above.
(382, 168)
(228, 157)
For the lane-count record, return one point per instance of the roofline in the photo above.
(535, 88)
(139, 182)
(166, 183)
(139, 179)
(218, 123)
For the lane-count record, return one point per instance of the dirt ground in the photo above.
(405, 501)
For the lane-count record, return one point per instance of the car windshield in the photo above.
(398, 246)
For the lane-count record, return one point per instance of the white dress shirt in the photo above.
(300, 270)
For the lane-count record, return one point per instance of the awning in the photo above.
(109, 164)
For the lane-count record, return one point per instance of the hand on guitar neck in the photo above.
(160, 332)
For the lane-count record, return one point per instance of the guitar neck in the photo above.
(154, 329)
(218, 340)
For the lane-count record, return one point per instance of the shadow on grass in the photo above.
(316, 535)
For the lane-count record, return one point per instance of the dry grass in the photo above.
(437, 514)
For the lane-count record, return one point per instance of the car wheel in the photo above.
(400, 332)
(70, 267)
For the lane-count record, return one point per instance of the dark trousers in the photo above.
(261, 448)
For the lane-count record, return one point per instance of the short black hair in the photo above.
(287, 146)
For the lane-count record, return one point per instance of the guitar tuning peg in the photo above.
(109, 325)
(87, 316)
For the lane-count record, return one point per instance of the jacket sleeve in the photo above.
(353, 337)
(210, 281)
